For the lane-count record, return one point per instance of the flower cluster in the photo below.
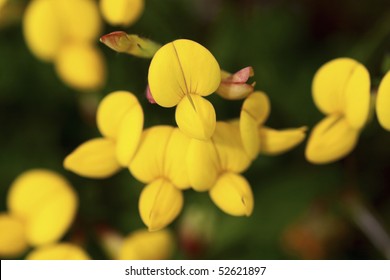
(200, 153)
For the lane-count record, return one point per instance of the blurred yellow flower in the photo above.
(383, 102)
(181, 73)
(81, 66)
(121, 12)
(12, 236)
(64, 32)
(145, 245)
(341, 90)
(120, 120)
(41, 208)
(46, 204)
(58, 251)
(50, 24)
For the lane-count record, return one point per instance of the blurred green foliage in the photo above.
(42, 120)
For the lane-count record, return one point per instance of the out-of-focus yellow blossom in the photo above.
(234, 86)
(256, 138)
(12, 236)
(120, 120)
(138, 245)
(64, 32)
(160, 163)
(50, 24)
(41, 207)
(145, 245)
(383, 102)
(181, 73)
(58, 251)
(121, 12)
(131, 44)
(341, 90)
(81, 65)
(45, 203)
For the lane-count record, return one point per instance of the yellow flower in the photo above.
(383, 102)
(341, 90)
(257, 138)
(64, 32)
(160, 163)
(121, 12)
(120, 120)
(214, 166)
(181, 73)
(145, 245)
(81, 66)
(49, 24)
(12, 236)
(45, 203)
(58, 251)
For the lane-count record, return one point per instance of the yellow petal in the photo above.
(81, 66)
(275, 142)
(331, 139)
(112, 110)
(129, 135)
(330, 83)
(233, 195)
(180, 68)
(202, 164)
(145, 245)
(12, 236)
(175, 167)
(195, 116)
(257, 106)
(60, 251)
(231, 153)
(254, 112)
(79, 19)
(148, 162)
(46, 203)
(121, 12)
(159, 204)
(383, 102)
(42, 29)
(94, 158)
(357, 97)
